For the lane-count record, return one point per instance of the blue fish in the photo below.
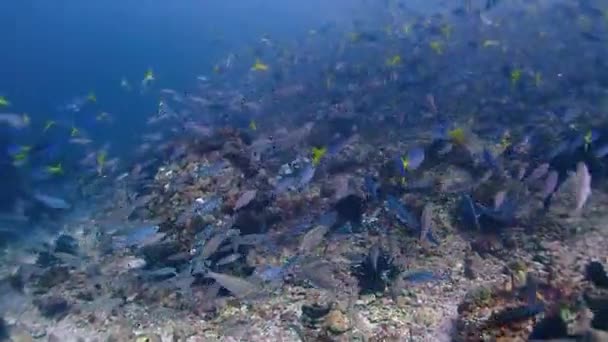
(404, 216)
(601, 152)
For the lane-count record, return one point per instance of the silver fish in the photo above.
(228, 259)
(374, 254)
(245, 199)
(539, 172)
(426, 221)
(313, 238)
(52, 202)
(583, 187)
(499, 199)
(550, 184)
(215, 242)
(239, 287)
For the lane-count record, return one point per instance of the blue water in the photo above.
(54, 51)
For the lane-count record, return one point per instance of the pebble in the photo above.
(337, 322)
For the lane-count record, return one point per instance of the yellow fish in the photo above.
(446, 30)
(538, 80)
(490, 42)
(588, 138)
(4, 102)
(26, 119)
(48, 125)
(406, 28)
(515, 76)
(55, 169)
(505, 140)
(457, 136)
(329, 81)
(436, 46)
(92, 97)
(393, 61)
(259, 66)
(103, 116)
(101, 160)
(318, 154)
(252, 125)
(149, 76)
(74, 132)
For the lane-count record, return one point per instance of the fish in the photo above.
(426, 225)
(317, 154)
(549, 187)
(160, 274)
(4, 102)
(601, 152)
(138, 236)
(313, 238)
(403, 215)
(211, 246)
(239, 287)
(228, 259)
(124, 84)
(374, 255)
(52, 202)
(539, 172)
(499, 199)
(412, 161)
(13, 120)
(371, 187)
(393, 61)
(583, 187)
(305, 176)
(259, 66)
(245, 199)
(420, 276)
(470, 211)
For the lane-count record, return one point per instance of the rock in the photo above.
(53, 338)
(52, 277)
(337, 322)
(52, 307)
(21, 335)
(425, 316)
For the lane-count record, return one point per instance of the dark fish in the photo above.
(374, 254)
(491, 4)
(313, 238)
(539, 172)
(371, 187)
(549, 188)
(421, 276)
(469, 211)
(426, 225)
(601, 152)
(404, 216)
(160, 274)
(592, 37)
(229, 259)
(239, 287)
